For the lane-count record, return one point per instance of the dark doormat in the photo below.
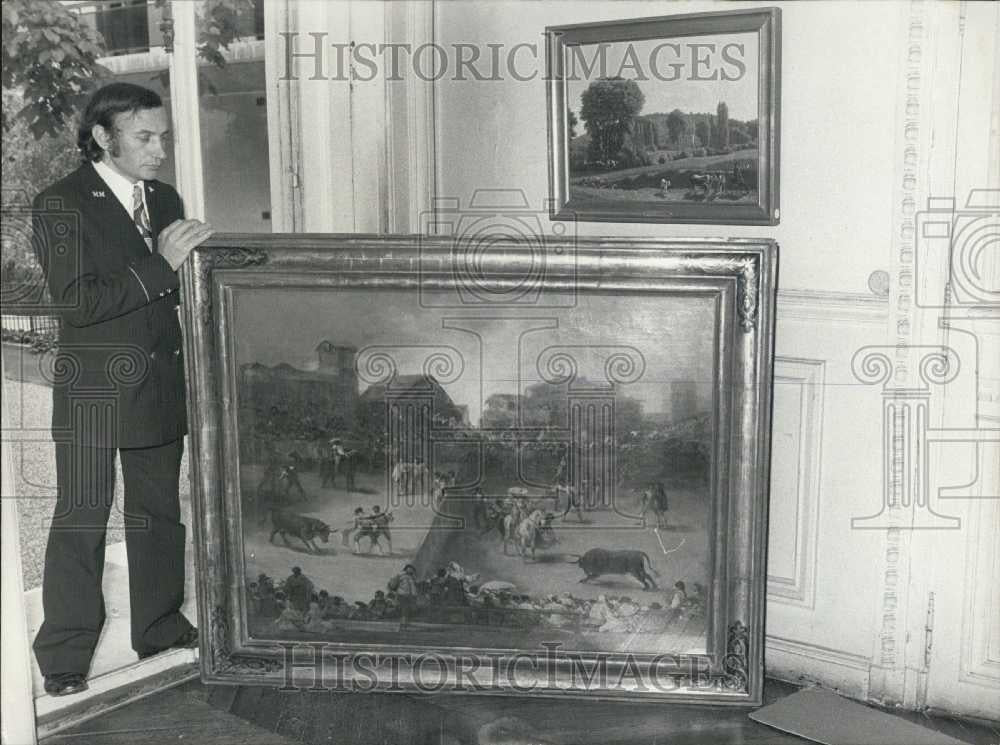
(825, 717)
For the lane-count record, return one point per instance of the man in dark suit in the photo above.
(110, 238)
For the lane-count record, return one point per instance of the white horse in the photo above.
(526, 536)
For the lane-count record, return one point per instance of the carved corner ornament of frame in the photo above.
(736, 663)
(748, 292)
(224, 661)
(747, 271)
(231, 258)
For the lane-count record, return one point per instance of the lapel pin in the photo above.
(99, 194)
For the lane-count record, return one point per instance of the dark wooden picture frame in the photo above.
(234, 281)
(696, 164)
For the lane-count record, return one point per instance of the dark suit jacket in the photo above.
(118, 379)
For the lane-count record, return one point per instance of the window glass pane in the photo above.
(233, 107)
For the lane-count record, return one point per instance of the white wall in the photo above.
(856, 120)
(837, 139)
(839, 81)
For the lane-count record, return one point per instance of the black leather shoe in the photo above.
(187, 640)
(65, 684)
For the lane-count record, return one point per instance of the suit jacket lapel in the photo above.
(111, 212)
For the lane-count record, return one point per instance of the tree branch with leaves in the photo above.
(51, 58)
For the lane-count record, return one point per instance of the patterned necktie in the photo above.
(139, 215)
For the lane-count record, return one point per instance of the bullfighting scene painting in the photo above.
(442, 476)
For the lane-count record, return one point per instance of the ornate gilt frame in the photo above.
(739, 274)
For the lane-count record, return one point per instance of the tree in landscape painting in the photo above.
(571, 122)
(676, 125)
(737, 133)
(609, 107)
(722, 129)
(701, 131)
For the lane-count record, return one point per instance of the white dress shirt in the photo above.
(121, 187)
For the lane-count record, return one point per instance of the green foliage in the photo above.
(571, 122)
(609, 108)
(701, 132)
(722, 130)
(218, 26)
(38, 342)
(737, 133)
(30, 163)
(51, 57)
(676, 124)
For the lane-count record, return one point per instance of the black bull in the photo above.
(598, 561)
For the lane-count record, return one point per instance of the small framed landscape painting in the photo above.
(666, 120)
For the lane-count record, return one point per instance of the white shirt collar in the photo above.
(120, 186)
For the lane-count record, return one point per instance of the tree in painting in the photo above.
(609, 108)
(701, 131)
(676, 125)
(722, 114)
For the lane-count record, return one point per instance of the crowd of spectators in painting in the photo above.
(450, 595)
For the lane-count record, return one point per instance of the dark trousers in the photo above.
(74, 558)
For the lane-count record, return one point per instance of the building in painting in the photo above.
(288, 397)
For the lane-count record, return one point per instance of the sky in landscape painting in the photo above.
(674, 338)
(690, 96)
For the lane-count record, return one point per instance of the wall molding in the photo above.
(980, 640)
(283, 123)
(411, 126)
(798, 588)
(892, 681)
(800, 662)
(833, 307)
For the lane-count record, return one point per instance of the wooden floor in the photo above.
(220, 715)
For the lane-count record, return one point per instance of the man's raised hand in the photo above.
(180, 237)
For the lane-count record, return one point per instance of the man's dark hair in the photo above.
(104, 105)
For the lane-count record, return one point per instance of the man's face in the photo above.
(138, 143)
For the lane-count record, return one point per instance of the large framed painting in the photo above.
(424, 466)
(666, 120)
